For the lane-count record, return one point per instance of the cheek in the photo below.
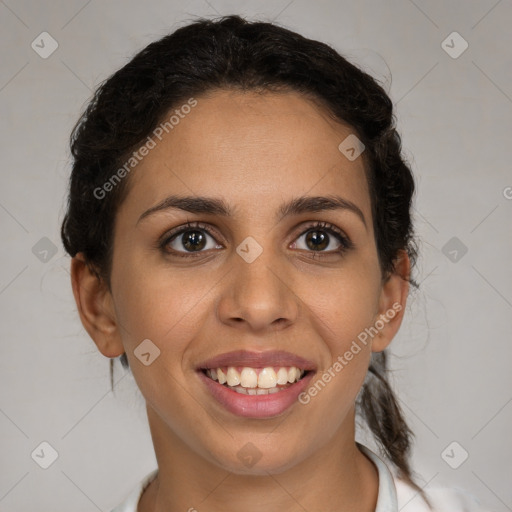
(166, 308)
(161, 306)
(342, 307)
(342, 318)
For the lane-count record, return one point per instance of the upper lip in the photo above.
(257, 360)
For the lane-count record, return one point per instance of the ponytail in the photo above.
(379, 407)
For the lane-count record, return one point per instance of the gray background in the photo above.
(452, 356)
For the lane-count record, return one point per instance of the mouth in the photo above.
(256, 384)
(256, 381)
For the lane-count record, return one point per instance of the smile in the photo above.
(255, 384)
(256, 381)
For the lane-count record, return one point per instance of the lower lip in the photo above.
(256, 406)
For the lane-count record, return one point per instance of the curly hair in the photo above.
(233, 53)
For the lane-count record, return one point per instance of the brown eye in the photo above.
(322, 236)
(189, 239)
(193, 240)
(317, 240)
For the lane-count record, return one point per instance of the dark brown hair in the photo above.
(233, 53)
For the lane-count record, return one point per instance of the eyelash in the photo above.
(346, 244)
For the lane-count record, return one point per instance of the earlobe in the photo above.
(95, 307)
(392, 301)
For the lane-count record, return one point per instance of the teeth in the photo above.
(233, 377)
(267, 378)
(293, 374)
(221, 376)
(257, 391)
(255, 381)
(282, 376)
(249, 378)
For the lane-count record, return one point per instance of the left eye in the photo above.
(322, 239)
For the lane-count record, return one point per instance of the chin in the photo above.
(251, 460)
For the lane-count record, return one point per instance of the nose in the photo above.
(258, 296)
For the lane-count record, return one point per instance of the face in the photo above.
(256, 279)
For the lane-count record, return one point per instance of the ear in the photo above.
(392, 301)
(95, 306)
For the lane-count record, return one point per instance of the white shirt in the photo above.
(394, 494)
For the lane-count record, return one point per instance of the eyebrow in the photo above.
(215, 206)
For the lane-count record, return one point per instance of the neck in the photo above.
(336, 478)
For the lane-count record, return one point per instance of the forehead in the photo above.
(251, 149)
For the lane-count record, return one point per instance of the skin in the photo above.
(255, 151)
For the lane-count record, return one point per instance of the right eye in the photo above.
(190, 238)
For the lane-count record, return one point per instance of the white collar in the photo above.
(387, 500)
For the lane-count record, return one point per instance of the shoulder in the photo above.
(442, 499)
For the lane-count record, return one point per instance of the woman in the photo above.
(240, 232)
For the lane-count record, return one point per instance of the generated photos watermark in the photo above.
(343, 360)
